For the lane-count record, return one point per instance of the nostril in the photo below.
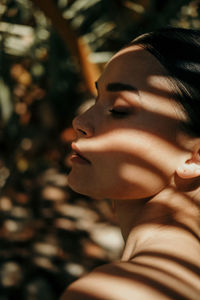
(82, 131)
(82, 126)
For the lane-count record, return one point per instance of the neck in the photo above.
(149, 221)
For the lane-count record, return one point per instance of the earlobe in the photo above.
(188, 170)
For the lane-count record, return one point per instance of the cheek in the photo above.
(141, 167)
(127, 176)
(125, 165)
(140, 181)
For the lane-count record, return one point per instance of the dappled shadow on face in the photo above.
(176, 78)
(182, 69)
(144, 68)
(184, 63)
(146, 140)
(148, 132)
(160, 122)
(123, 167)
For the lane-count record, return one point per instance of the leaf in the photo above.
(5, 101)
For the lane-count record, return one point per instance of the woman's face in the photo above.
(130, 134)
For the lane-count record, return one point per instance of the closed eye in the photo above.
(119, 113)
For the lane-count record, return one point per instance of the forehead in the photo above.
(135, 65)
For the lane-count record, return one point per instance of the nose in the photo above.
(83, 126)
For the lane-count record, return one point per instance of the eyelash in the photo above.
(117, 113)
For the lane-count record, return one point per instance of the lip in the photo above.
(77, 155)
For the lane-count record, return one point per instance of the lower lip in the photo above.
(77, 159)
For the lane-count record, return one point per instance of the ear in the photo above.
(190, 168)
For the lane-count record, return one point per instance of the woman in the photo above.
(139, 146)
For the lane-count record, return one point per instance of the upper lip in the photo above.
(77, 151)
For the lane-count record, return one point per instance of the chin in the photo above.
(77, 187)
(84, 190)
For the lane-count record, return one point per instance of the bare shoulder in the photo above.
(138, 279)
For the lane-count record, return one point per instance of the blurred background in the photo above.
(51, 52)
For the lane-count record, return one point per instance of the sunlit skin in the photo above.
(141, 160)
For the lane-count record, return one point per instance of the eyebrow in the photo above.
(118, 87)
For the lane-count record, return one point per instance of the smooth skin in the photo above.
(141, 160)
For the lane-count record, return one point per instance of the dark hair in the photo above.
(178, 50)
